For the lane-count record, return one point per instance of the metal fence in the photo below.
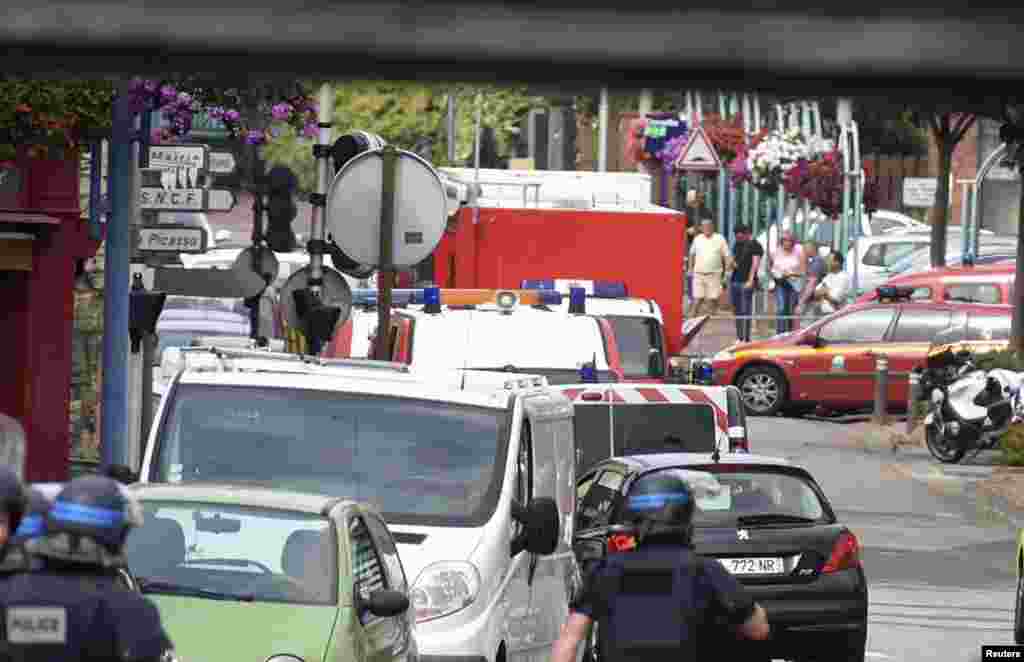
(720, 331)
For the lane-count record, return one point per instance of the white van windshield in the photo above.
(417, 462)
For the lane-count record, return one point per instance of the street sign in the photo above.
(699, 154)
(178, 156)
(222, 163)
(919, 191)
(220, 199)
(186, 199)
(167, 238)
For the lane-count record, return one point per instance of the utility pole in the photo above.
(255, 184)
(602, 119)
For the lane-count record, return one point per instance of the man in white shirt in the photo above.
(830, 294)
(709, 259)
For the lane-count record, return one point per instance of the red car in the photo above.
(990, 283)
(831, 363)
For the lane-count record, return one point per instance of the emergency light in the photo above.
(458, 297)
(577, 300)
(601, 289)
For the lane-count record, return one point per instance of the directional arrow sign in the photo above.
(185, 199)
(222, 163)
(220, 199)
(167, 238)
(178, 156)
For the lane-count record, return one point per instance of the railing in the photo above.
(720, 331)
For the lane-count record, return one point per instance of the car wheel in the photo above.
(941, 448)
(763, 390)
(1018, 609)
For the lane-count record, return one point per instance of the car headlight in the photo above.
(444, 588)
(284, 658)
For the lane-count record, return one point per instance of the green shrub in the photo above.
(1012, 445)
(1006, 359)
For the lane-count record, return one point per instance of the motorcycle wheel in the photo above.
(940, 448)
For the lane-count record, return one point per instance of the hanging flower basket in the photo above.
(820, 182)
(773, 157)
(729, 138)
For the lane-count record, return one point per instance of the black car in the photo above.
(769, 523)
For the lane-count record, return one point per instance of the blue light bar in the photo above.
(368, 297)
(602, 289)
(432, 299)
(577, 300)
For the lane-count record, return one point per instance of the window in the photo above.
(862, 326)
(524, 468)
(637, 339)
(988, 327)
(596, 506)
(895, 252)
(368, 575)
(873, 257)
(273, 555)
(974, 293)
(920, 325)
(921, 294)
(396, 578)
(414, 462)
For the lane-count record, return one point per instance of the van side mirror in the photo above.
(387, 603)
(655, 366)
(541, 527)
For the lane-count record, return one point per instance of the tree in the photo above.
(947, 129)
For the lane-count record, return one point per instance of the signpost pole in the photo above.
(114, 424)
(386, 276)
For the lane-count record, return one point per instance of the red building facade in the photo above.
(42, 236)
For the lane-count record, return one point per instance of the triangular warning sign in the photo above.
(699, 154)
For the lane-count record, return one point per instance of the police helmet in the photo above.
(89, 521)
(33, 524)
(660, 503)
(12, 496)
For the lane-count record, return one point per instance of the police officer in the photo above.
(12, 504)
(660, 602)
(16, 558)
(75, 607)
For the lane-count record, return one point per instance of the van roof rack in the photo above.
(265, 355)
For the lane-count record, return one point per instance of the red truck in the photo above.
(567, 226)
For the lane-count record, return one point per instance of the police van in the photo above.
(473, 472)
(494, 330)
(612, 420)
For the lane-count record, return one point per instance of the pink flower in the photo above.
(311, 130)
(232, 116)
(156, 136)
(168, 95)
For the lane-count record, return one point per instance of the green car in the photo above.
(261, 575)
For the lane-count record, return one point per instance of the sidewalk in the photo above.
(1003, 484)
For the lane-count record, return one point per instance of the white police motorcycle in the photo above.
(969, 408)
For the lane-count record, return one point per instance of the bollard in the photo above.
(913, 398)
(881, 388)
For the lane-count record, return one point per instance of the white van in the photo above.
(473, 472)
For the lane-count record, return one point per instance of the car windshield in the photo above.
(234, 552)
(637, 338)
(725, 496)
(416, 461)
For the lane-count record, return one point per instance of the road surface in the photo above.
(938, 557)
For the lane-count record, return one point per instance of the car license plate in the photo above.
(753, 566)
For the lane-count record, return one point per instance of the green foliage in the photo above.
(404, 113)
(1012, 445)
(89, 99)
(1006, 359)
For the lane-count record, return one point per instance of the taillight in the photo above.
(621, 542)
(739, 446)
(845, 554)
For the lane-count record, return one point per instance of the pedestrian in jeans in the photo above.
(788, 266)
(710, 258)
(748, 253)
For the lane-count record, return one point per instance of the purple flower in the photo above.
(254, 137)
(168, 95)
(156, 136)
(136, 85)
(275, 132)
(311, 130)
(216, 113)
(281, 111)
(150, 86)
(232, 116)
(184, 98)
